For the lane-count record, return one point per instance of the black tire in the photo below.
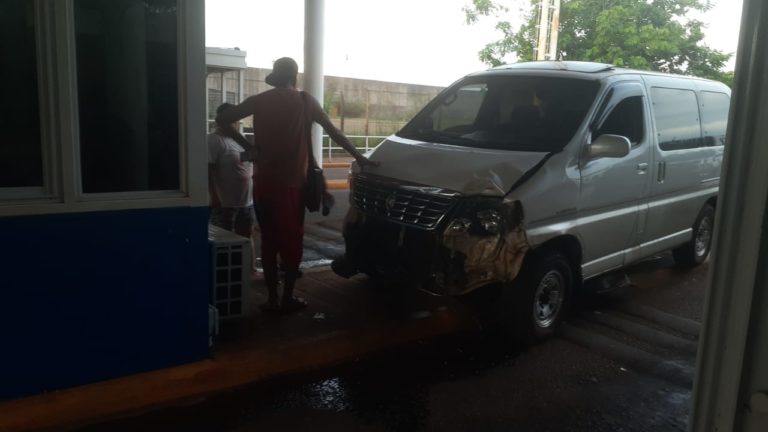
(529, 309)
(697, 249)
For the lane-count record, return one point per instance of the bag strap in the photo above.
(308, 125)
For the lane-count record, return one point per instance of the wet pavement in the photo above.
(322, 240)
(445, 386)
(624, 362)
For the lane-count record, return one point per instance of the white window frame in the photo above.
(47, 191)
(57, 76)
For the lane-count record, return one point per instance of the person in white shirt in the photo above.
(230, 183)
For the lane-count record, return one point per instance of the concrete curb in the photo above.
(683, 325)
(337, 184)
(673, 371)
(102, 401)
(336, 164)
(642, 332)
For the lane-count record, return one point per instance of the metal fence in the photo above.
(367, 142)
(362, 142)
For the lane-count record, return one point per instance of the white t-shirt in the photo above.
(233, 177)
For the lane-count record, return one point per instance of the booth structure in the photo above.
(107, 268)
(103, 198)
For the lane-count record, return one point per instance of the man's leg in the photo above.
(244, 223)
(268, 223)
(291, 243)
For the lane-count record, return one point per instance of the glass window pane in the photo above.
(127, 94)
(215, 83)
(21, 160)
(515, 112)
(714, 117)
(461, 108)
(677, 118)
(626, 120)
(232, 85)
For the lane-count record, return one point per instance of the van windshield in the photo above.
(505, 112)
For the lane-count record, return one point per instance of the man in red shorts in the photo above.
(280, 122)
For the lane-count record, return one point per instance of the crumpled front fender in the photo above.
(475, 257)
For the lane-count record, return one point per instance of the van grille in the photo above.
(401, 204)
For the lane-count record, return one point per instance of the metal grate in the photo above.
(229, 276)
(400, 204)
(231, 255)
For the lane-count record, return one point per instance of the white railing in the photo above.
(328, 147)
(371, 142)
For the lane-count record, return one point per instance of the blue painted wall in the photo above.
(90, 296)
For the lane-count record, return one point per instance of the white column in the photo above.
(313, 63)
(240, 95)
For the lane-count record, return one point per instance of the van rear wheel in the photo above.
(697, 249)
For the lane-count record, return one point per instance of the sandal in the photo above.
(293, 305)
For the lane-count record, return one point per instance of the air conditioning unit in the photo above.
(231, 273)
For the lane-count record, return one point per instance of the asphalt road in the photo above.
(624, 361)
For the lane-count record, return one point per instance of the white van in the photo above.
(529, 179)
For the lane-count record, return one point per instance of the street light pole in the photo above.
(548, 30)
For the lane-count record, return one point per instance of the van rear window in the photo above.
(714, 117)
(676, 112)
(506, 112)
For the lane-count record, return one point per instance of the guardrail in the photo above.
(329, 147)
(367, 139)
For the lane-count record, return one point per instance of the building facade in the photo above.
(368, 107)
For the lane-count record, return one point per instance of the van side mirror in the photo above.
(609, 146)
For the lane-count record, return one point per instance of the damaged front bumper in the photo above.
(447, 243)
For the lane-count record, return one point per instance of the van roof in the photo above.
(575, 68)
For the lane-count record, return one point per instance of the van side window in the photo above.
(714, 117)
(626, 120)
(676, 112)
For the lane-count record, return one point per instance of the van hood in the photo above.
(471, 171)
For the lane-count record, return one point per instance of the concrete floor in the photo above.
(624, 360)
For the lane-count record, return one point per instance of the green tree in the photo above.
(330, 102)
(639, 34)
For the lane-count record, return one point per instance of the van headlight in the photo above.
(489, 220)
(458, 226)
(477, 216)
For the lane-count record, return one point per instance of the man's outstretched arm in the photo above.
(339, 138)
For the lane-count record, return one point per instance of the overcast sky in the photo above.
(412, 41)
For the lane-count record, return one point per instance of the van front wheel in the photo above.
(697, 249)
(538, 300)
